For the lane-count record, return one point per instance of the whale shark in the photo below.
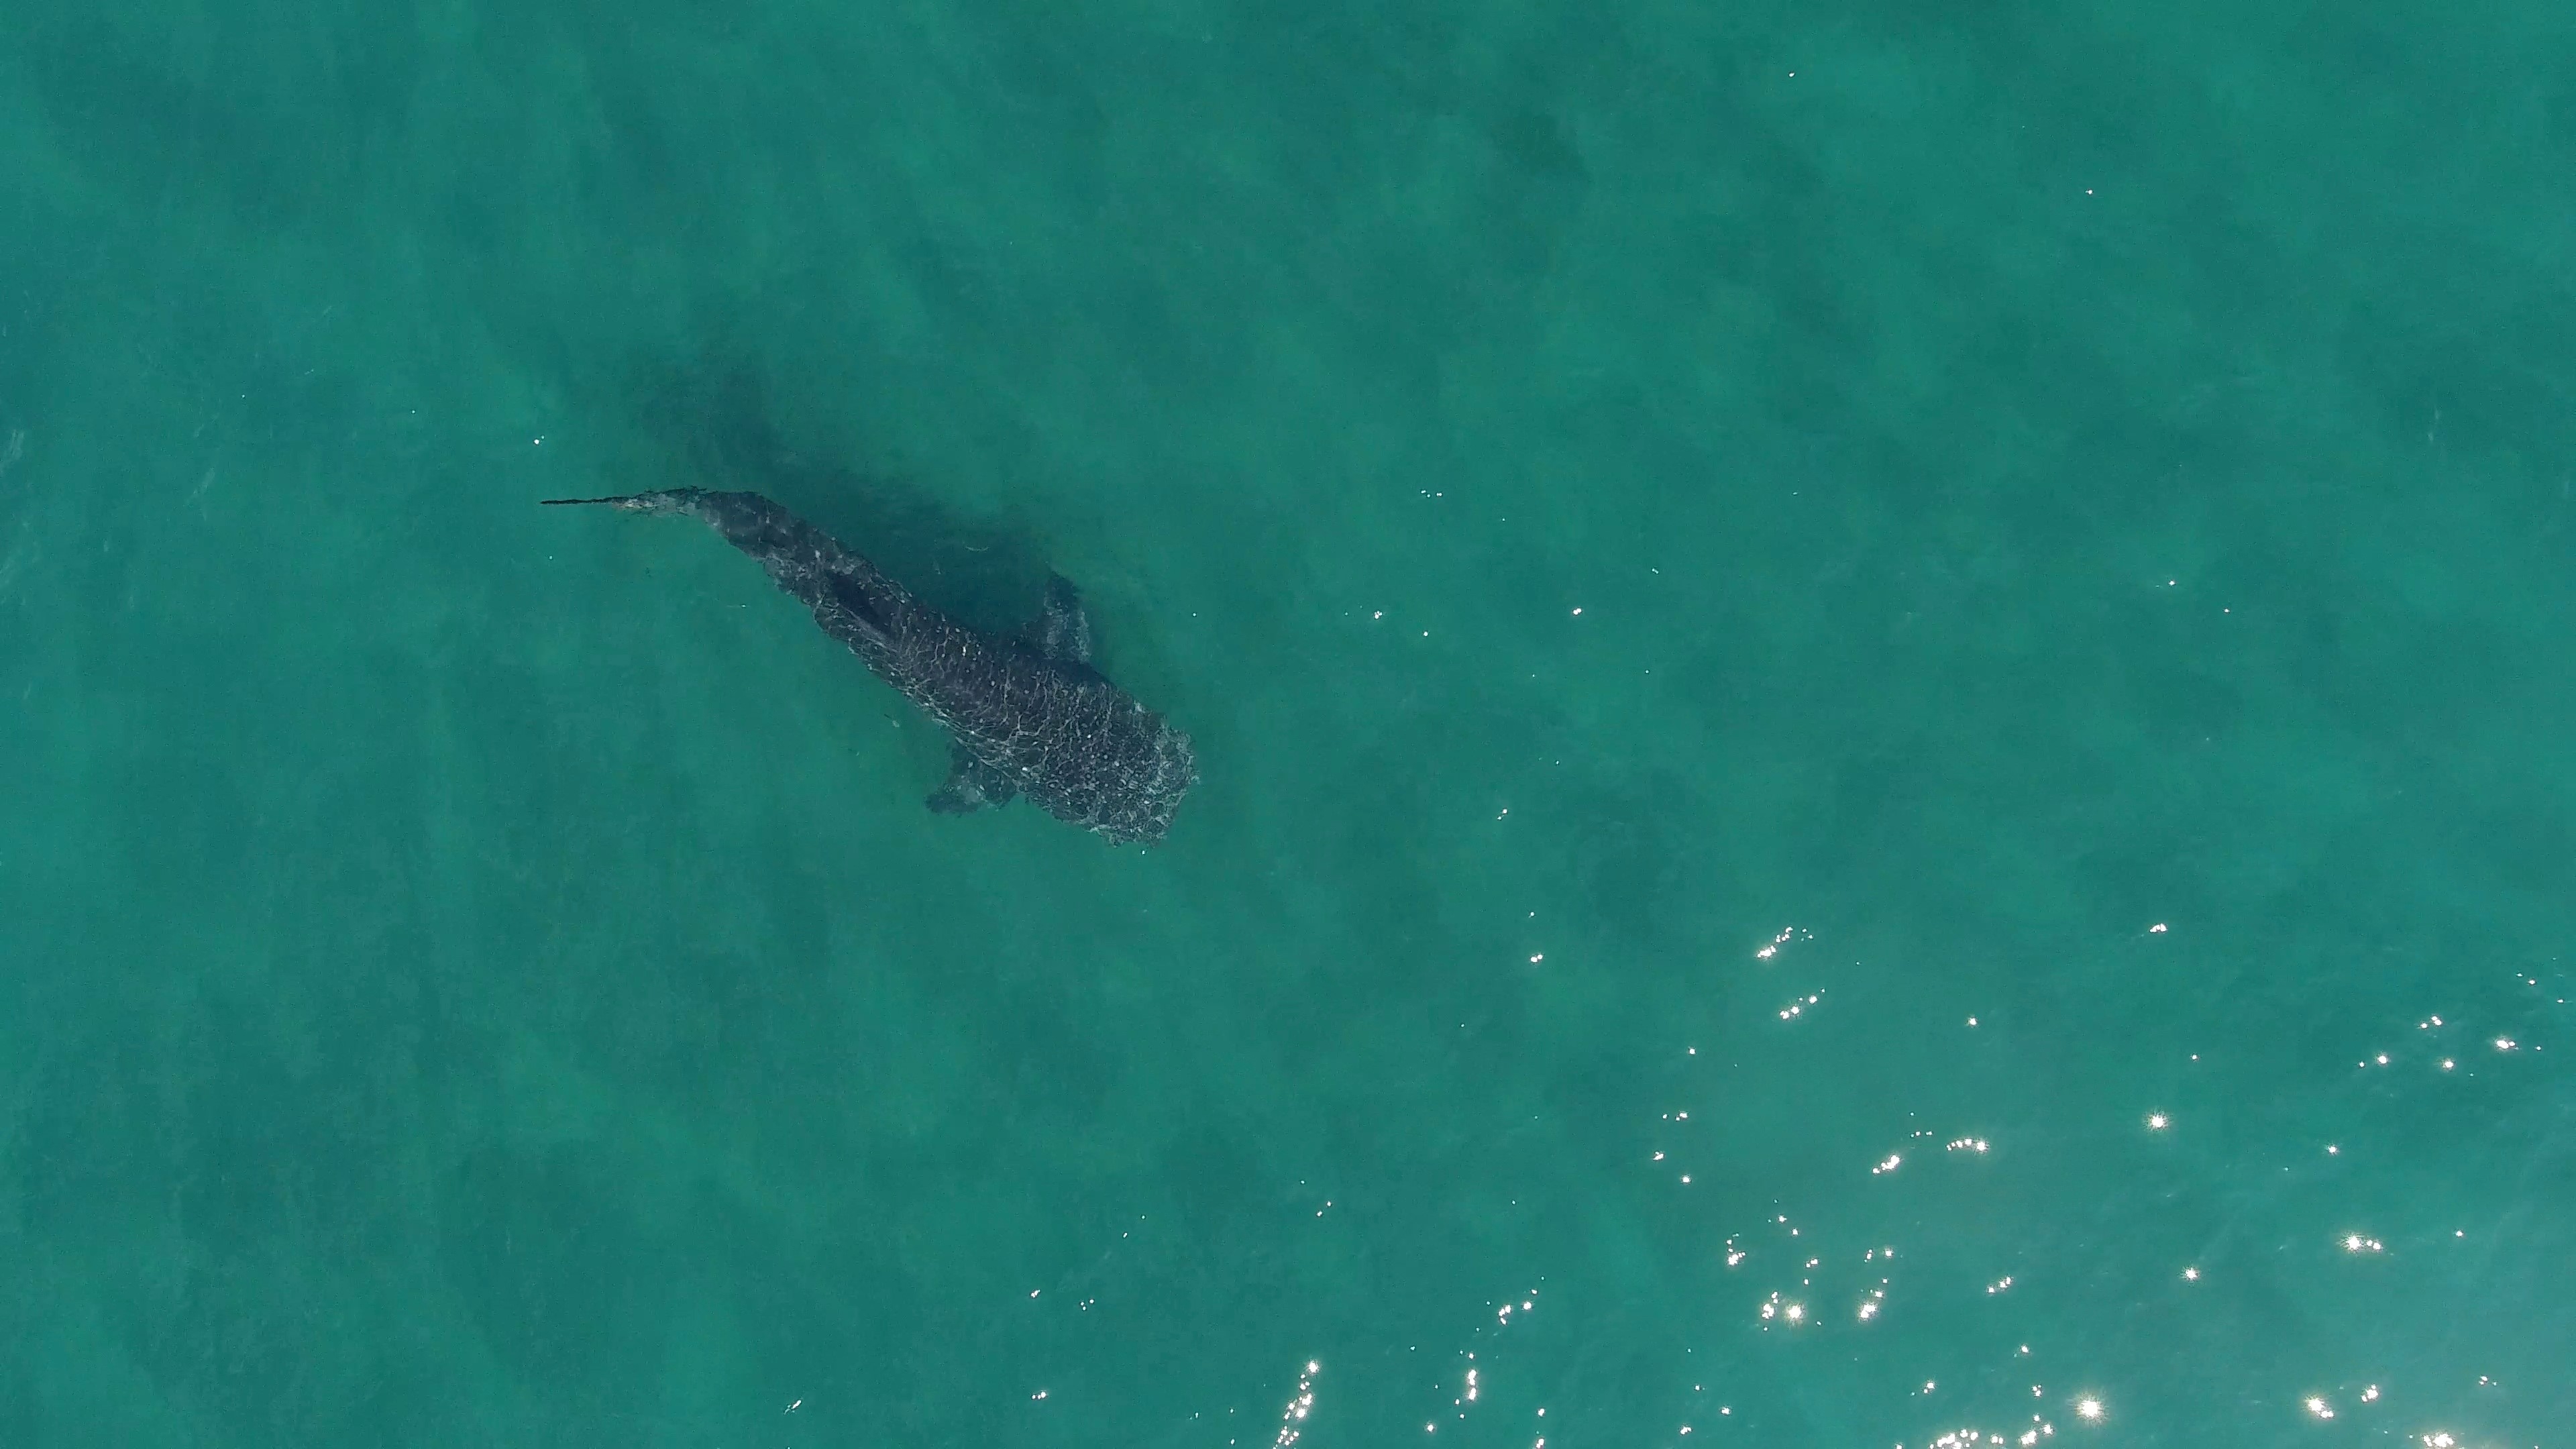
(1027, 714)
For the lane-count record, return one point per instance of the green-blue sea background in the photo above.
(2056, 519)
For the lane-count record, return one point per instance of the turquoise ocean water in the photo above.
(1884, 696)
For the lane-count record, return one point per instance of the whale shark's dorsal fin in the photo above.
(1063, 631)
(862, 610)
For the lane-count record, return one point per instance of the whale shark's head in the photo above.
(1163, 777)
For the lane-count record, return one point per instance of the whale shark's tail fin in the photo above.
(669, 501)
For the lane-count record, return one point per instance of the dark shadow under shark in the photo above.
(1028, 715)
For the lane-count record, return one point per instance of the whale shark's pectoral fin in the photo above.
(972, 785)
(1063, 631)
